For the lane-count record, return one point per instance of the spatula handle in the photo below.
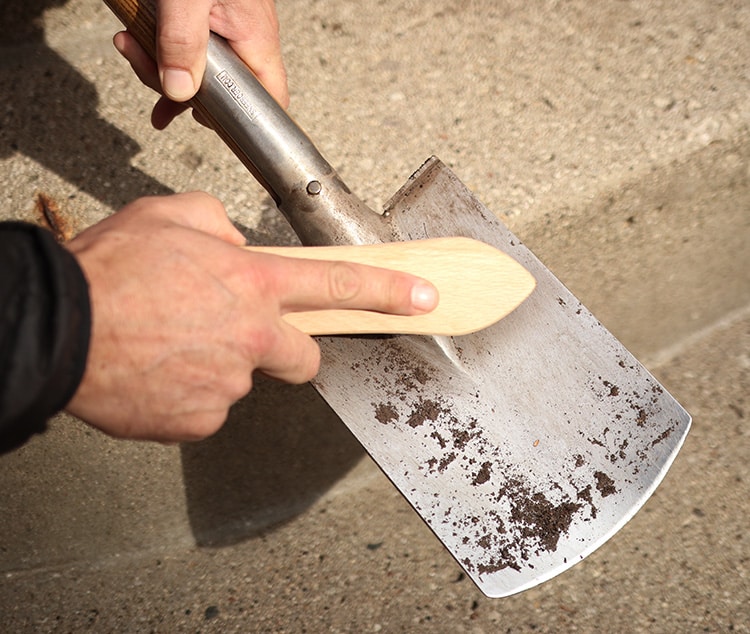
(308, 191)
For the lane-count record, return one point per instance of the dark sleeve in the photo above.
(45, 324)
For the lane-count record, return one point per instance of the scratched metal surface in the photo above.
(525, 446)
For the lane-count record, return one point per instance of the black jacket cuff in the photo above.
(45, 326)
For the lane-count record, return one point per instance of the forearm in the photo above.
(45, 324)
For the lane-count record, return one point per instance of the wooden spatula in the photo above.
(478, 285)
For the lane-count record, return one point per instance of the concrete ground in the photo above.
(612, 137)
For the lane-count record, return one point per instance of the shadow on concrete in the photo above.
(281, 448)
(48, 112)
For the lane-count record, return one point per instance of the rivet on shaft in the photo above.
(314, 188)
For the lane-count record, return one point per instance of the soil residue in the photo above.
(385, 413)
(585, 495)
(463, 435)
(534, 525)
(663, 436)
(613, 389)
(642, 417)
(425, 410)
(543, 521)
(439, 439)
(483, 475)
(604, 484)
(441, 465)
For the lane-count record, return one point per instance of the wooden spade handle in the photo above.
(478, 285)
(139, 17)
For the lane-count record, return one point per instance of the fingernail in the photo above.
(424, 296)
(177, 84)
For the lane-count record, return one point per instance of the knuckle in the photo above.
(260, 344)
(257, 282)
(239, 385)
(206, 200)
(306, 362)
(311, 362)
(344, 283)
(209, 204)
(173, 38)
(205, 424)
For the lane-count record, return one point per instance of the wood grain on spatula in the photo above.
(477, 283)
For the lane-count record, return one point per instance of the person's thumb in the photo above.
(181, 42)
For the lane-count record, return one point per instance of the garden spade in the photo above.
(523, 446)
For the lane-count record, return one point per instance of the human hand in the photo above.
(250, 26)
(182, 316)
